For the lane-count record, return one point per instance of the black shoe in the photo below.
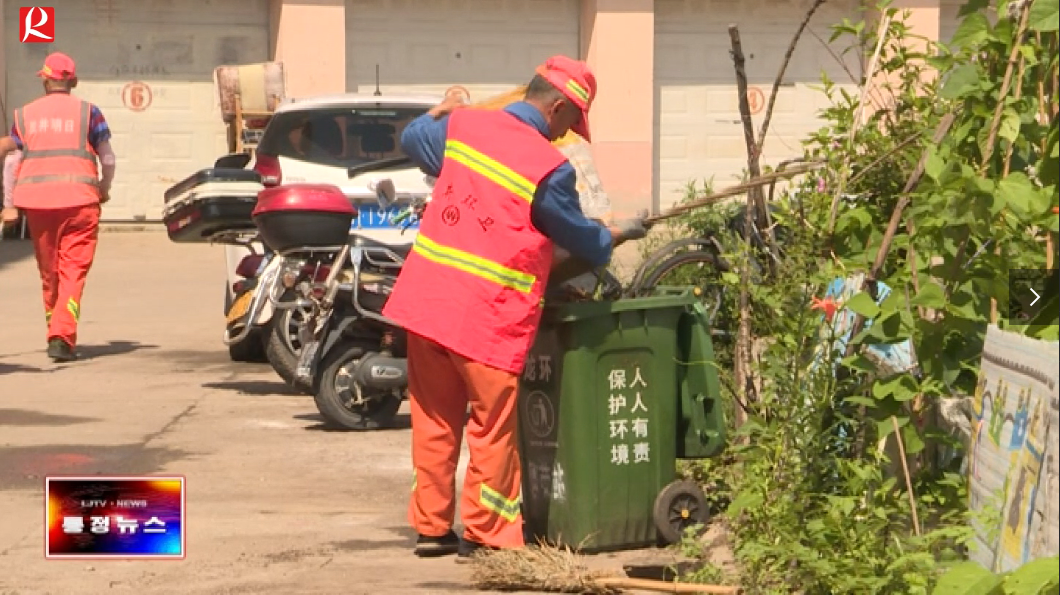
(60, 351)
(427, 546)
(468, 549)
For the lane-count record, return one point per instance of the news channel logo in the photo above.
(115, 517)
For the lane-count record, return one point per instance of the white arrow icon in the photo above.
(1036, 297)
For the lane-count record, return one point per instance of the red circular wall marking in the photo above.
(756, 99)
(136, 96)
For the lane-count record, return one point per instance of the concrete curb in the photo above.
(131, 227)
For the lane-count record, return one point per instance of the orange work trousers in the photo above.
(441, 385)
(64, 241)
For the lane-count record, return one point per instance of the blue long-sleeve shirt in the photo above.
(556, 210)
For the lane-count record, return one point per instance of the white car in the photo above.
(350, 141)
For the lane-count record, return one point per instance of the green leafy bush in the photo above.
(815, 504)
(1038, 577)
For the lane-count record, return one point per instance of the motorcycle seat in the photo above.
(401, 250)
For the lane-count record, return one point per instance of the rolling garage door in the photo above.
(487, 46)
(699, 133)
(149, 67)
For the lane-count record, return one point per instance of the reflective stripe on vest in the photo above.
(475, 265)
(493, 170)
(71, 178)
(493, 500)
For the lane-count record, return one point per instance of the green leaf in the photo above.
(1017, 192)
(859, 400)
(913, 442)
(973, 30)
(972, 6)
(859, 362)
(1034, 576)
(893, 302)
(1010, 125)
(966, 578)
(1044, 16)
(861, 303)
(961, 80)
(743, 501)
(935, 165)
(885, 427)
(900, 387)
(858, 216)
(929, 296)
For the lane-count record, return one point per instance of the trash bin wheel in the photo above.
(680, 505)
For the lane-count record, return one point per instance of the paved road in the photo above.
(275, 504)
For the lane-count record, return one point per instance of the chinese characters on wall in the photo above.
(628, 417)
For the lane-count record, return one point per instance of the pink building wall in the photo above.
(617, 39)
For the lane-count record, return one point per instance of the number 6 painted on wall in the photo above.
(136, 96)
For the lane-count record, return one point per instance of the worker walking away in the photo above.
(59, 189)
(471, 291)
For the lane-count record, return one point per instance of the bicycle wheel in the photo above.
(698, 268)
(638, 285)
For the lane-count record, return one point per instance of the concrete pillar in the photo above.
(618, 41)
(309, 37)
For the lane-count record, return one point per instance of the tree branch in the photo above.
(780, 74)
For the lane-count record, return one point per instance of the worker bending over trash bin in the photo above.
(470, 293)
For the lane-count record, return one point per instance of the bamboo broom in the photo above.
(560, 570)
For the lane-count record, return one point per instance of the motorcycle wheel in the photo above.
(282, 346)
(335, 395)
(250, 350)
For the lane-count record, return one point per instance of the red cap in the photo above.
(58, 66)
(574, 79)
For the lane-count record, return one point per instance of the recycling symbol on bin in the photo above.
(540, 415)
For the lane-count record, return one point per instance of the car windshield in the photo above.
(340, 137)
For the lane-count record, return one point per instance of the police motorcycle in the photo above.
(351, 356)
(218, 205)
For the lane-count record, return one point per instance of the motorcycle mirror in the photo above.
(385, 192)
(232, 161)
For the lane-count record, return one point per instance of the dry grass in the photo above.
(538, 567)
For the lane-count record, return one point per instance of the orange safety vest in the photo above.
(474, 281)
(58, 168)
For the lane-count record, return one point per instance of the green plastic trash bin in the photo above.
(612, 394)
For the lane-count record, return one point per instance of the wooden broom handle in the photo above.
(664, 586)
(738, 189)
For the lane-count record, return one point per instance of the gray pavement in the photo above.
(275, 504)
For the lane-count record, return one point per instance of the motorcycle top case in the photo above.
(211, 202)
(303, 215)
